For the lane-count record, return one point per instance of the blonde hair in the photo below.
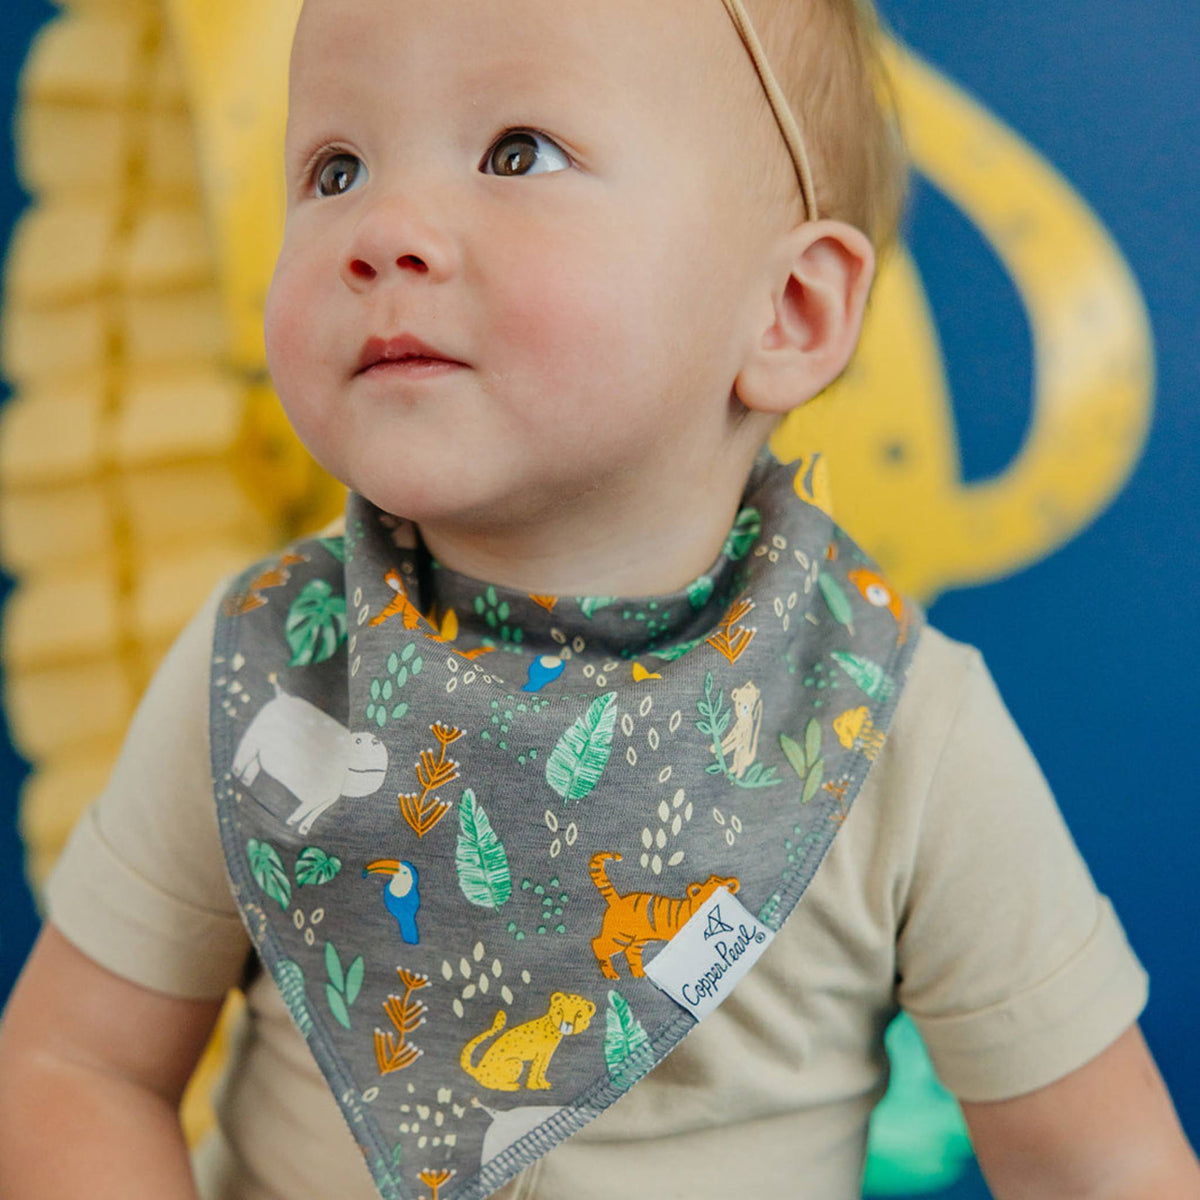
(827, 57)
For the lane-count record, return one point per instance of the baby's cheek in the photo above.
(568, 314)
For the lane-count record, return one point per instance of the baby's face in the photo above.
(547, 195)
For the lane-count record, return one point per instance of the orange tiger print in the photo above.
(633, 920)
(402, 606)
(272, 577)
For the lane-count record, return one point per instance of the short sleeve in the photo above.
(141, 886)
(1014, 968)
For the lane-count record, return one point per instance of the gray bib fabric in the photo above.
(500, 852)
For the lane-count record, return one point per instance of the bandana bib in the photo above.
(501, 852)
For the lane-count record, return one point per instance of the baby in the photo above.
(456, 814)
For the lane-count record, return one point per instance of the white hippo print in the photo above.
(315, 757)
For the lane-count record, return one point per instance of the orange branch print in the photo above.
(546, 602)
(729, 641)
(421, 812)
(435, 1179)
(394, 1053)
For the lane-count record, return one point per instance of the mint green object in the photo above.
(918, 1142)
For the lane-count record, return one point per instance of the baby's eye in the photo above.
(340, 173)
(523, 152)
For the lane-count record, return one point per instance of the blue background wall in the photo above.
(1095, 649)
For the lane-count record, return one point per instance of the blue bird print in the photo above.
(401, 897)
(542, 671)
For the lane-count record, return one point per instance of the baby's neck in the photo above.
(637, 541)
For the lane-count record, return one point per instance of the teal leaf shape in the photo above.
(289, 978)
(624, 1035)
(336, 546)
(672, 653)
(814, 780)
(812, 740)
(794, 753)
(314, 867)
(316, 624)
(869, 677)
(267, 869)
(354, 979)
(591, 605)
(577, 762)
(482, 863)
(745, 532)
(333, 965)
(700, 591)
(836, 599)
(337, 1006)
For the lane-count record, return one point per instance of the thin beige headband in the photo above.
(779, 105)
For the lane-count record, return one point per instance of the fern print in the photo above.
(577, 762)
(289, 978)
(483, 872)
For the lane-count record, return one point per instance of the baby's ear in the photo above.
(808, 316)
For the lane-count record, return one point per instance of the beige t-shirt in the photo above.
(953, 889)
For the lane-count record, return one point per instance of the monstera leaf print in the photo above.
(316, 624)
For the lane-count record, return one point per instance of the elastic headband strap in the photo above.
(779, 105)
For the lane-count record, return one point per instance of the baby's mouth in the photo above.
(404, 354)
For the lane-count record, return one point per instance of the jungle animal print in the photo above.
(632, 920)
(534, 1043)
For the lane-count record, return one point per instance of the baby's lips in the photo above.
(396, 349)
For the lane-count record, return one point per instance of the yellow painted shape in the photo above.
(888, 426)
(235, 60)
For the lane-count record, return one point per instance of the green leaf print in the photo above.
(577, 762)
(267, 868)
(316, 624)
(336, 546)
(700, 591)
(868, 676)
(482, 863)
(289, 978)
(354, 980)
(337, 1006)
(812, 741)
(591, 605)
(813, 782)
(333, 965)
(745, 532)
(836, 599)
(794, 754)
(314, 867)
(624, 1035)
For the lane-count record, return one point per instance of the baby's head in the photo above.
(589, 215)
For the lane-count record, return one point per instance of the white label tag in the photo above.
(707, 958)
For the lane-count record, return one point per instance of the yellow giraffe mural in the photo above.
(144, 456)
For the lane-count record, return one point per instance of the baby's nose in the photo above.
(391, 241)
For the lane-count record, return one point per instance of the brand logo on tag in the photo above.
(707, 958)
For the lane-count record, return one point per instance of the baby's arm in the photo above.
(1107, 1130)
(92, 1069)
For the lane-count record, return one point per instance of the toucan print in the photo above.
(401, 897)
